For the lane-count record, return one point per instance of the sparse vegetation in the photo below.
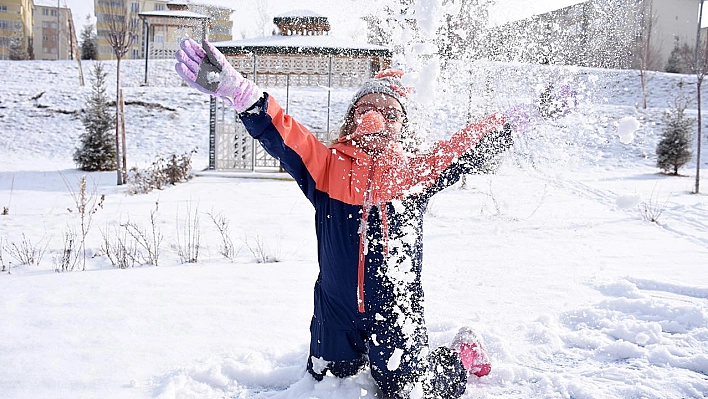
(3, 268)
(6, 209)
(26, 252)
(149, 240)
(652, 209)
(86, 205)
(119, 247)
(226, 249)
(261, 251)
(68, 258)
(188, 236)
(164, 171)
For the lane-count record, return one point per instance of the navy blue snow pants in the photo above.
(393, 345)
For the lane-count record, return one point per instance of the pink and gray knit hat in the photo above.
(386, 82)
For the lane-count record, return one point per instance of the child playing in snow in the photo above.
(369, 197)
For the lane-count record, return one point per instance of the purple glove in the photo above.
(552, 104)
(520, 116)
(207, 70)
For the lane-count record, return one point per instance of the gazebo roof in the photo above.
(296, 44)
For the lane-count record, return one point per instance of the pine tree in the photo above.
(18, 50)
(675, 63)
(674, 149)
(89, 42)
(97, 151)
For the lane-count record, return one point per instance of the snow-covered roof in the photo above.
(173, 14)
(296, 44)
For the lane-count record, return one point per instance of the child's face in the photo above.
(393, 117)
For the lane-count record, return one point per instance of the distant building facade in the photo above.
(676, 24)
(597, 33)
(15, 26)
(54, 32)
(165, 34)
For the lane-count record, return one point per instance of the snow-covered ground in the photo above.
(549, 259)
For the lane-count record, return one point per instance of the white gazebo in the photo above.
(302, 55)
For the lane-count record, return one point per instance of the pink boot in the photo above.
(472, 353)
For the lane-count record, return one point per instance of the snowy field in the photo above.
(550, 259)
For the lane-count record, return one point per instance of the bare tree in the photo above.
(263, 18)
(648, 57)
(698, 59)
(462, 34)
(120, 37)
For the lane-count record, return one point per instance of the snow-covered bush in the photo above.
(674, 149)
(97, 151)
(676, 63)
(19, 51)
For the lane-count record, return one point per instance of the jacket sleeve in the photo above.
(300, 153)
(469, 151)
(477, 160)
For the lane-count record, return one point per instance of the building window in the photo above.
(159, 7)
(45, 11)
(54, 13)
(136, 54)
(134, 7)
(159, 39)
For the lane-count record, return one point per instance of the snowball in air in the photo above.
(627, 126)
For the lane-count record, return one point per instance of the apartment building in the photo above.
(676, 24)
(597, 33)
(165, 34)
(15, 26)
(53, 31)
